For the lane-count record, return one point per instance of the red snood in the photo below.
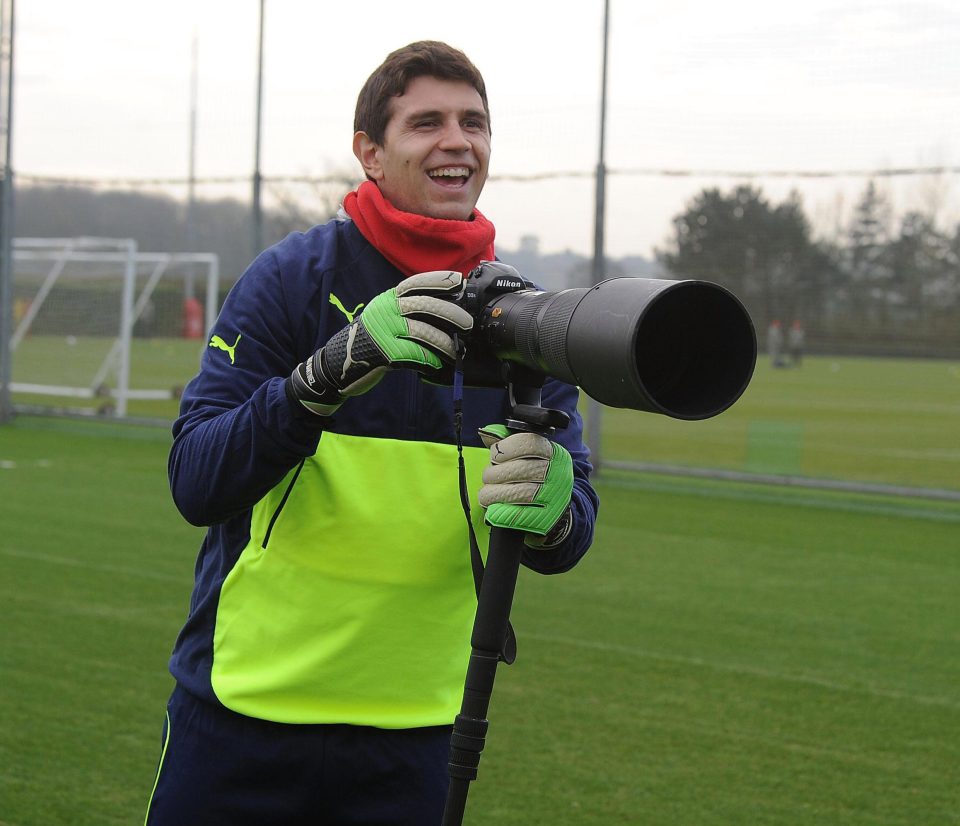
(417, 243)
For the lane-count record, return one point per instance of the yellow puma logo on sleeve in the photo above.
(220, 344)
(350, 315)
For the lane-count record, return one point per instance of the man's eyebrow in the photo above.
(428, 114)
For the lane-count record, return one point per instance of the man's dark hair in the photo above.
(424, 58)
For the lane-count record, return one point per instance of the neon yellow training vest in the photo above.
(359, 609)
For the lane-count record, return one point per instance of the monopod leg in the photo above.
(489, 633)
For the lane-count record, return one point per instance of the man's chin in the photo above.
(453, 216)
(451, 210)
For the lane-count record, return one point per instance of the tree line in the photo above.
(874, 289)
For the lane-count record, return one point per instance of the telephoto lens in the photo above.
(685, 349)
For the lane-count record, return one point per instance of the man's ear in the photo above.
(368, 153)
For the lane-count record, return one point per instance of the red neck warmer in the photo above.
(416, 243)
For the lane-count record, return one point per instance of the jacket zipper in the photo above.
(412, 423)
(283, 501)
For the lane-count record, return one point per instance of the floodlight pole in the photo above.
(257, 178)
(6, 210)
(189, 287)
(594, 407)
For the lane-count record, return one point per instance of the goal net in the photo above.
(102, 328)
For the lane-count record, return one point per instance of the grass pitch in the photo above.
(891, 421)
(725, 654)
(729, 655)
(888, 421)
(162, 364)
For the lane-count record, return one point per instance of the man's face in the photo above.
(435, 152)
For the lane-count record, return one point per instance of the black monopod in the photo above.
(684, 349)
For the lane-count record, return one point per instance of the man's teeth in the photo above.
(451, 172)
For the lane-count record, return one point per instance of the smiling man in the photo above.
(323, 658)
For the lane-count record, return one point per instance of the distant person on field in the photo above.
(795, 341)
(775, 343)
(322, 663)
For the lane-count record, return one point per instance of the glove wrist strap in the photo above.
(313, 389)
(555, 536)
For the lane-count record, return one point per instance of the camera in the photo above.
(685, 349)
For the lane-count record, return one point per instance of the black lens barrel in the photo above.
(686, 349)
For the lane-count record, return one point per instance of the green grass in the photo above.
(891, 421)
(726, 653)
(887, 421)
(96, 576)
(155, 364)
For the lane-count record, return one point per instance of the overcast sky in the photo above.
(103, 90)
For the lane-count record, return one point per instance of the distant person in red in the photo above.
(192, 318)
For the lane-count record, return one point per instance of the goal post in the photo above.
(100, 322)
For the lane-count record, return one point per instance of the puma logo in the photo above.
(220, 344)
(350, 315)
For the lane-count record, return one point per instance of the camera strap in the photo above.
(508, 652)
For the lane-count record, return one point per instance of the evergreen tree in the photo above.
(762, 253)
(920, 261)
(867, 258)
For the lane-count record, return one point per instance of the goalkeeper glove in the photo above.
(527, 486)
(401, 327)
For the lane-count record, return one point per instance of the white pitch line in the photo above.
(887, 694)
(895, 495)
(71, 562)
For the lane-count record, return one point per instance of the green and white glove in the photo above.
(406, 326)
(527, 485)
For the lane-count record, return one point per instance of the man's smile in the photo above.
(450, 175)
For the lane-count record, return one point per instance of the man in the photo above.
(322, 661)
(775, 343)
(795, 340)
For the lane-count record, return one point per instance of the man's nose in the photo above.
(454, 139)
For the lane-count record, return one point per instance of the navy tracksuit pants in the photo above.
(219, 768)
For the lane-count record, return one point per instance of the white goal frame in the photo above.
(59, 252)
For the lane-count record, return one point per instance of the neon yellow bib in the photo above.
(360, 607)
